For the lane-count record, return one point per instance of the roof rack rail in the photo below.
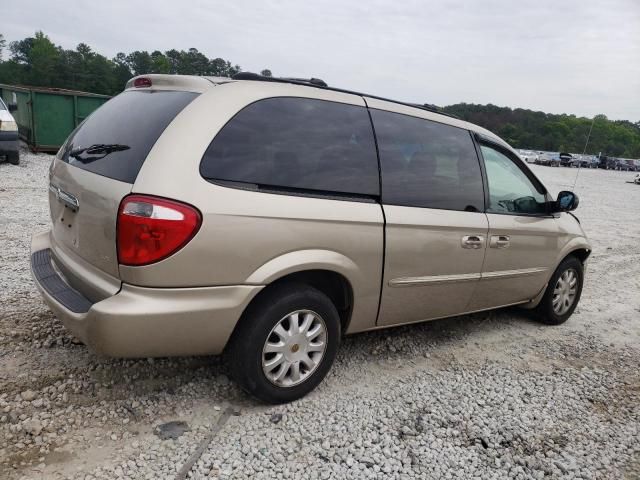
(313, 81)
(431, 108)
(318, 83)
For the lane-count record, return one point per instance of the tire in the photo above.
(13, 158)
(245, 354)
(545, 311)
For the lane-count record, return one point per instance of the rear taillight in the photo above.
(151, 229)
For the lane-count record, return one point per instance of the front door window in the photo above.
(510, 190)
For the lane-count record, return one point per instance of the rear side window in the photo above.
(296, 143)
(116, 139)
(427, 164)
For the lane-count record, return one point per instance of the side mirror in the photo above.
(12, 107)
(566, 202)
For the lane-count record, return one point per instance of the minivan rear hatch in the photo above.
(95, 169)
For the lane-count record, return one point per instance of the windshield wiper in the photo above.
(97, 151)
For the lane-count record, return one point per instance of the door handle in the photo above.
(474, 242)
(500, 241)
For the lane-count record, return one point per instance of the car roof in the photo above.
(200, 84)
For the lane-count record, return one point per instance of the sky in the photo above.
(558, 56)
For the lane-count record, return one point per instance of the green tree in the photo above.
(21, 50)
(159, 62)
(43, 60)
(37, 61)
(3, 45)
(121, 72)
(139, 62)
(541, 131)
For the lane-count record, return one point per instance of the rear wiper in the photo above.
(97, 151)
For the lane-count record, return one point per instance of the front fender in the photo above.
(576, 243)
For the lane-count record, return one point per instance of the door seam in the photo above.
(384, 217)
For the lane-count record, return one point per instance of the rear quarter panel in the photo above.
(250, 237)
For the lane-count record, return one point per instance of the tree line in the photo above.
(38, 61)
(551, 132)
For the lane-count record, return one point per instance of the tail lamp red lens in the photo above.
(142, 82)
(151, 229)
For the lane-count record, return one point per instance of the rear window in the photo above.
(115, 139)
(296, 143)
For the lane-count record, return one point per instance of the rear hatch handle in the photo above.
(65, 197)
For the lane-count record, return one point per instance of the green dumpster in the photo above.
(46, 116)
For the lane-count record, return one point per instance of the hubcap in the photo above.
(564, 293)
(294, 348)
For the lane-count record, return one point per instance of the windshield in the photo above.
(116, 139)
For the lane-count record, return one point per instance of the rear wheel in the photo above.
(13, 158)
(563, 292)
(285, 344)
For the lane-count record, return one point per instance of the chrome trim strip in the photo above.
(522, 272)
(433, 280)
(464, 277)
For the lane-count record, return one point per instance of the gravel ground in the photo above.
(491, 395)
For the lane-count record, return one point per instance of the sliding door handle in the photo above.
(500, 241)
(474, 242)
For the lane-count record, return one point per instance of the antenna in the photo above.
(584, 152)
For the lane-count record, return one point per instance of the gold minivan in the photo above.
(265, 218)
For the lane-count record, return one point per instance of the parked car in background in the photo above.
(9, 144)
(528, 155)
(618, 164)
(583, 161)
(565, 159)
(265, 218)
(550, 159)
(578, 161)
(602, 161)
(607, 163)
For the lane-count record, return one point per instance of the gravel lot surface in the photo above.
(491, 395)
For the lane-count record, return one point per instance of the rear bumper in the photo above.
(140, 321)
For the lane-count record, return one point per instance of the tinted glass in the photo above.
(427, 164)
(510, 191)
(115, 140)
(2, 106)
(296, 143)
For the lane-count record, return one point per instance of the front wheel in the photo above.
(285, 343)
(563, 292)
